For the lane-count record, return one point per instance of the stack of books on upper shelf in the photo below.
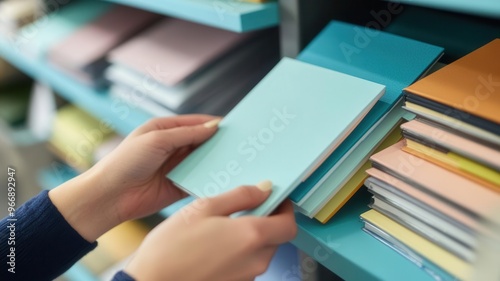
(373, 55)
(178, 67)
(163, 65)
(15, 14)
(437, 192)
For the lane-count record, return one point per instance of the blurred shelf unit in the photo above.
(238, 16)
(121, 116)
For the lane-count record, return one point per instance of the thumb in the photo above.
(239, 199)
(174, 138)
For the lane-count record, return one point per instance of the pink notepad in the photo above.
(93, 41)
(173, 49)
(455, 143)
(436, 180)
(425, 198)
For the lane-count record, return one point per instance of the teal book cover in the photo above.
(337, 178)
(36, 38)
(374, 55)
(280, 131)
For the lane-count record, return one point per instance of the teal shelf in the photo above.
(55, 175)
(344, 248)
(78, 272)
(172, 209)
(123, 117)
(232, 15)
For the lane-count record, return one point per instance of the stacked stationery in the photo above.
(282, 131)
(386, 59)
(436, 193)
(189, 67)
(76, 135)
(35, 39)
(115, 246)
(14, 14)
(87, 62)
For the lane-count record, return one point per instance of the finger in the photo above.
(259, 262)
(239, 199)
(171, 139)
(278, 228)
(172, 122)
(174, 159)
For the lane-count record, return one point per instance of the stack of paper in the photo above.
(180, 67)
(387, 59)
(14, 14)
(435, 193)
(115, 246)
(87, 62)
(281, 131)
(35, 39)
(76, 135)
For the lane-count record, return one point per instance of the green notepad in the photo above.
(280, 131)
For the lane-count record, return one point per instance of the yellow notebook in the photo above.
(430, 251)
(456, 163)
(356, 181)
(116, 245)
(344, 194)
(76, 135)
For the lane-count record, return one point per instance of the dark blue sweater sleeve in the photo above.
(37, 243)
(122, 276)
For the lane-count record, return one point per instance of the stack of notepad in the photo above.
(436, 192)
(14, 14)
(76, 136)
(86, 61)
(115, 246)
(178, 67)
(281, 131)
(35, 40)
(391, 60)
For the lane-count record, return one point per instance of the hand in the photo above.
(130, 182)
(201, 242)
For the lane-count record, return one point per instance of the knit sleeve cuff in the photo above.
(46, 245)
(122, 276)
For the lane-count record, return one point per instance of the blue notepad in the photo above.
(373, 55)
(280, 131)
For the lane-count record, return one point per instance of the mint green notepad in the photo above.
(36, 38)
(338, 177)
(280, 131)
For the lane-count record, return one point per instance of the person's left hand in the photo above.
(130, 182)
(135, 171)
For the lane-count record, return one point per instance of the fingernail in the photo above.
(265, 186)
(212, 123)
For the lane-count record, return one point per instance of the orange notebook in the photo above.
(436, 181)
(473, 80)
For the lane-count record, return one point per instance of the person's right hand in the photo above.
(201, 241)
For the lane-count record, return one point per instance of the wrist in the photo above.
(85, 205)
